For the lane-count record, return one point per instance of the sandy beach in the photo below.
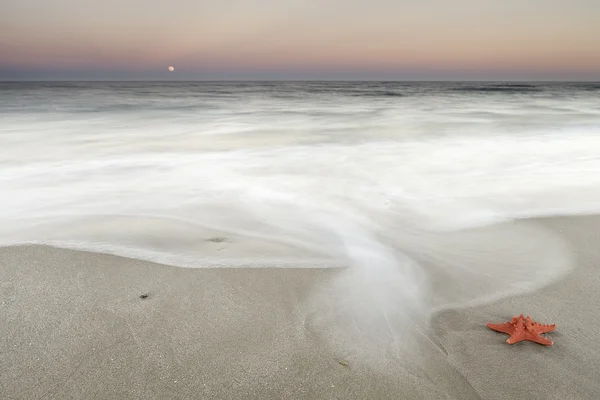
(77, 325)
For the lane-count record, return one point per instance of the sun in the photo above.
(171, 68)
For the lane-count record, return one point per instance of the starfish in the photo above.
(523, 328)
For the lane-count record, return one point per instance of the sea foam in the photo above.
(425, 201)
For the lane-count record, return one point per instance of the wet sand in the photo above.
(77, 325)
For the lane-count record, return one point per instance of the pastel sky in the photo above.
(300, 39)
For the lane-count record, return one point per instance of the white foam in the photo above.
(411, 216)
(302, 195)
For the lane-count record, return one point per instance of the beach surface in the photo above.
(78, 325)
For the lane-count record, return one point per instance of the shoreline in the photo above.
(76, 325)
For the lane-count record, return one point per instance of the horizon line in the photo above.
(302, 80)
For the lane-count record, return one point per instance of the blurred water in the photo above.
(401, 181)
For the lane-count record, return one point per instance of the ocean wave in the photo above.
(508, 88)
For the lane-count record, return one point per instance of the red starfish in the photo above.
(521, 328)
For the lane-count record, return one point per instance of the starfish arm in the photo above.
(546, 328)
(541, 340)
(504, 328)
(515, 339)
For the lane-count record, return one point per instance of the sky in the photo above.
(300, 39)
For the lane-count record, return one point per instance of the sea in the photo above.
(427, 192)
